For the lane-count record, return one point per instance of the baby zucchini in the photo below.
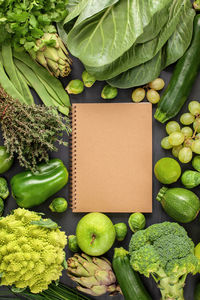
(129, 281)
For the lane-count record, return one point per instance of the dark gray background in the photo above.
(68, 220)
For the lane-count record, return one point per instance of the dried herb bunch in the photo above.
(30, 131)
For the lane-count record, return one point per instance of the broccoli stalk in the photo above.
(165, 252)
(172, 286)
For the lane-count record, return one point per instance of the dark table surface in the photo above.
(69, 220)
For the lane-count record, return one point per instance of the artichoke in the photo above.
(94, 275)
(53, 55)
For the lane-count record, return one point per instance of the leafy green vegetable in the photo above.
(26, 21)
(47, 223)
(88, 41)
(128, 45)
(171, 52)
(139, 52)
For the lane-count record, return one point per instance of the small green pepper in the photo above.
(58, 205)
(136, 222)
(4, 191)
(5, 160)
(75, 86)
(121, 231)
(73, 245)
(1, 207)
(30, 189)
(109, 92)
(88, 79)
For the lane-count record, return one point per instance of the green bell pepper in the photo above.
(30, 189)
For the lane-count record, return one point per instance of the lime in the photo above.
(167, 170)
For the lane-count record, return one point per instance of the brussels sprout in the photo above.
(196, 5)
(73, 245)
(88, 79)
(58, 205)
(75, 86)
(4, 191)
(136, 221)
(121, 231)
(1, 207)
(109, 92)
(5, 160)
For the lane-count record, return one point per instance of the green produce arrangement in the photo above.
(125, 44)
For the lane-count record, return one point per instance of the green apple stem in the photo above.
(93, 238)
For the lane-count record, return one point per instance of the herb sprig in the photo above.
(30, 131)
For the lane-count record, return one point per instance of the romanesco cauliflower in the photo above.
(30, 256)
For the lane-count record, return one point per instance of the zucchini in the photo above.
(182, 79)
(128, 279)
(180, 204)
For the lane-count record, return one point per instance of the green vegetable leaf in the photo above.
(148, 71)
(90, 41)
(17, 290)
(64, 264)
(1, 274)
(47, 223)
(181, 38)
(139, 75)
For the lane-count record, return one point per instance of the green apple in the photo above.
(95, 234)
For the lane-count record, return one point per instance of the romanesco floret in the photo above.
(30, 256)
(167, 253)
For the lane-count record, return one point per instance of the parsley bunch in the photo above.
(25, 21)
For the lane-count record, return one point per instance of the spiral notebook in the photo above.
(111, 157)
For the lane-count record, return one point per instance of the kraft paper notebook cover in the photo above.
(111, 157)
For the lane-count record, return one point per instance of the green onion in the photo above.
(54, 292)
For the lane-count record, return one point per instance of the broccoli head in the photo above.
(165, 252)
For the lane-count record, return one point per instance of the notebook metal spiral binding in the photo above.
(73, 162)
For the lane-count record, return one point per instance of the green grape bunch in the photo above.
(186, 140)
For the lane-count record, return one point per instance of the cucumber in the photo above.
(180, 204)
(129, 281)
(182, 79)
